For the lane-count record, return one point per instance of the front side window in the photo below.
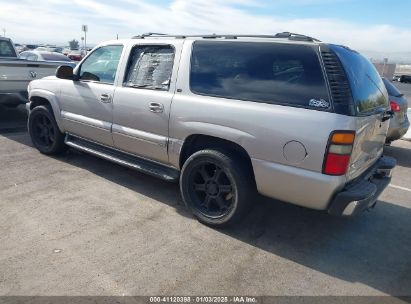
(262, 72)
(102, 64)
(150, 67)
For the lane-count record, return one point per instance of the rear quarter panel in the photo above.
(263, 130)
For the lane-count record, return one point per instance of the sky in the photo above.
(368, 25)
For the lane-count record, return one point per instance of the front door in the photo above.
(142, 103)
(86, 104)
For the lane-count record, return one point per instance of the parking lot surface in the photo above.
(78, 225)
(405, 88)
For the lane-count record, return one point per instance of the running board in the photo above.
(133, 162)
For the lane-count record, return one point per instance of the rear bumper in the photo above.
(363, 192)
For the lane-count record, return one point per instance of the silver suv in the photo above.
(286, 115)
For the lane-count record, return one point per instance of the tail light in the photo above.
(395, 107)
(338, 154)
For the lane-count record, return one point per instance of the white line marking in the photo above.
(401, 188)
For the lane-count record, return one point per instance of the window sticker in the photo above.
(319, 103)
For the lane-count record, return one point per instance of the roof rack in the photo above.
(290, 36)
(294, 36)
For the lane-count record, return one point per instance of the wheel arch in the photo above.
(196, 142)
(43, 97)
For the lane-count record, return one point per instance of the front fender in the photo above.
(52, 99)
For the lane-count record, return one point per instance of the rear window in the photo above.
(7, 49)
(391, 89)
(262, 72)
(367, 87)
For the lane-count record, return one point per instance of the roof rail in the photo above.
(150, 34)
(290, 36)
(294, 36)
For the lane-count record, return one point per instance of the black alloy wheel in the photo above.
(212, 191)
(44, 131)
(217, 187)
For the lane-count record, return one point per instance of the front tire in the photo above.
(216, 187)
(44, 131)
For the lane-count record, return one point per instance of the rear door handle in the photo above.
(105, 98)
(156, 107)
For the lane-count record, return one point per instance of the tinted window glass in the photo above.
(6, 49)
(367, 87)
(150, 67)
(262, 72)
(391, 89)
(102, 64)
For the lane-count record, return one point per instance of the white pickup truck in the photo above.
(16, 73)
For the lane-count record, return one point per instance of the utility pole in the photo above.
(4, 32)
(84, 28)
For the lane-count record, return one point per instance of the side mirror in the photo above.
(65, 72)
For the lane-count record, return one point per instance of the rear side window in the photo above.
(150, 67)
(262, 72)
(367, 87)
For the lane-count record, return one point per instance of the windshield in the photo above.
(367, 87)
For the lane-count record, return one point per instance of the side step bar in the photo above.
(133, 162)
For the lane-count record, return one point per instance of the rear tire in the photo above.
(44, 131)
(216, 187)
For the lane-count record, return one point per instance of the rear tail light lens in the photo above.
(338, 154)
(395, 107)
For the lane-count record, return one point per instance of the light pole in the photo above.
(84, 28)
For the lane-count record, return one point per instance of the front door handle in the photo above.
(156, 107)
(105, 98)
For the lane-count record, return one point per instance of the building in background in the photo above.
(386, 70)
(403, 69)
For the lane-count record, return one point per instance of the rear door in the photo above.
(371, 103)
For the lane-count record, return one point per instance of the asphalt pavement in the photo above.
(78, 225)
(405, 88)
